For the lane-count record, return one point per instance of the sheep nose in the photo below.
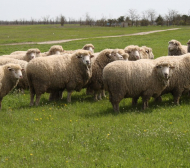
(88, 62)
(137, 57)
(20, 76)
(166, 75)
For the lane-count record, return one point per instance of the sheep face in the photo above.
(164, 71)
(86, 59)
(172, 45)
(17, 73)
(116, 56)
(134, 54)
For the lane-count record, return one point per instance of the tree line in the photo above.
(148, 17)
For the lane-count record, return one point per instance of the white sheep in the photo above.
(9, 77)
(95, 83)
(123, 79)
(88, 47)
(133, 51)
(175, 48)
(180, 80)
(54, 50)
(23, 83)
(146, 52)
(56, 73)
(30, 54)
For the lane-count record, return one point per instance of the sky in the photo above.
(11, 10)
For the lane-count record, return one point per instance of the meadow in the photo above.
(85, 133)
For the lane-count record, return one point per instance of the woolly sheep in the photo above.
(23, 82)
(175, 48)
(146, 53)
(30, 54)
(188, 46)
(180, 80)
(56, 73)
(144, 78)
(105, 57)
(54, 50)
(133, 51)
(9, 77)
(18, 53)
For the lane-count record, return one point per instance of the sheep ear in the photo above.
(9, 68)
(91, 56)
(22, 69)
(108, 54)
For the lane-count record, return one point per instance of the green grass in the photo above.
(85, 133)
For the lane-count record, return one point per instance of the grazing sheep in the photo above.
(175, 48)
(180, 80)
(146, 53)
(30, 54)
(23, 83)
(54, 50)
(188, 46)
(56, 73)
(105, 57)
(133, 51)
(9, 77)
(143, 78)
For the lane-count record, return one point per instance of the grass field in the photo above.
(85, 133)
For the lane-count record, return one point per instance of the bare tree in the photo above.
(133, 15)
(62, 20)
(151, 15)
(171, 16)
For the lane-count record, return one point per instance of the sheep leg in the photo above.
(32, 99)
(176, 96)
(134, 101)
(115, 107)
(158, 99)
(145, 102)
(69, 96)
(95, 96)
(100, 96)
(89, 91)
(38, 99)
(103, 93)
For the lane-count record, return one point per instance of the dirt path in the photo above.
(63, 41)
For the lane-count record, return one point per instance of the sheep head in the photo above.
(89, 47)
(173, 45)
(32, 53)
(164, 70)
(56, 50)
(15, 70)
(133, 52)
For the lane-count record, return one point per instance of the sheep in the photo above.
(180, 81)
(30, 54)
(9, 77)
(133, 51)
(23, 83)
(123, 79)
(175, 48)
(56, 73)
(105, 57)
(54, 50)
(89, 47)
(18, 53)
(188, 46)
(146, 53)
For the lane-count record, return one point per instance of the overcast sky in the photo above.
(11, 10)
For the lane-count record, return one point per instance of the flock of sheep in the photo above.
(130, 72)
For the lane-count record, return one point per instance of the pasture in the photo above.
(85, 133)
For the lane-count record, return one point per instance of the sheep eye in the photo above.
(158, 66)
(147, 51)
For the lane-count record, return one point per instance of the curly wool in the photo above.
(7, 80)
(133, 79)
(23, 83)
(178, 50)
(25, 57)
(180, 80)
(56, 73)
